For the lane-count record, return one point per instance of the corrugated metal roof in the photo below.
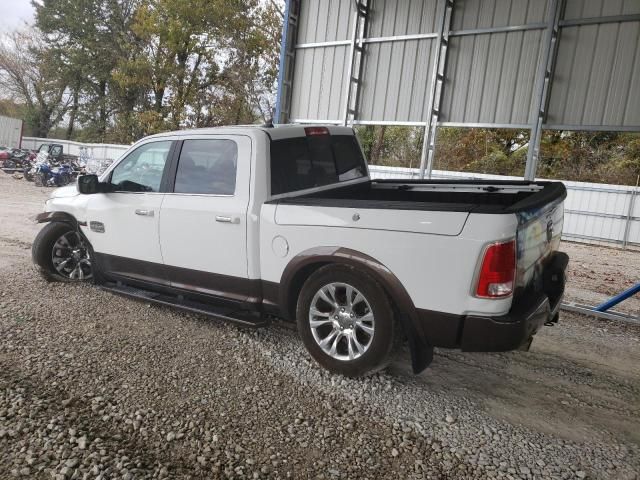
(325, 21)
(397, 75)
(472, 14)
(576, 9)
(491, 78)
(319, 80)
(597, 76)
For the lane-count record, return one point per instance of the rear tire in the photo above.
(62, 254)
(349, 336)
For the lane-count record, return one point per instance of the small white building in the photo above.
(10, 132)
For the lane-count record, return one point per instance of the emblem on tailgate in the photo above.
(549, 230)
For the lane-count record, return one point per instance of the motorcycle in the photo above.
(47, 175)
(19, 161)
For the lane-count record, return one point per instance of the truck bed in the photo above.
(472, 196)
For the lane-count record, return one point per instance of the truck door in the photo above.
(123, 225)
(203, 220)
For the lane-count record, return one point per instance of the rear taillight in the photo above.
(498, 271)
(315, 131)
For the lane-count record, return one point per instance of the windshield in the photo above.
(314, 161)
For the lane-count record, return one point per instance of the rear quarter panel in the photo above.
(437, 270)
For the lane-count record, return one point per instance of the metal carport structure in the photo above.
(527, 64)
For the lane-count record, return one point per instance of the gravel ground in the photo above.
(94, 385)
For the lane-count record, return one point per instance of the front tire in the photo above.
(62, 254)
(346, 321)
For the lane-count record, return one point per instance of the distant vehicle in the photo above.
(55, 153)
(248, 223)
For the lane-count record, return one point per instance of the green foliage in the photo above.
(129, 68)
(606, 157)
(29, 77)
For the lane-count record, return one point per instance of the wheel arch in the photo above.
(62, 217)
(304, 264)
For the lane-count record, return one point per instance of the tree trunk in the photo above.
(102, 127)
(158, 96)
(72, 115)
(378, 144)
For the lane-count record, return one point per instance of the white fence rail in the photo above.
(594, 212)
(96, 150)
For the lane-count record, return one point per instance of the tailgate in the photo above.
(539, 232)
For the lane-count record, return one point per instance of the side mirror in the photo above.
(89, 184)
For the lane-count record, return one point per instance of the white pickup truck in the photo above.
(256, 223)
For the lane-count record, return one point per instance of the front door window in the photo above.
(142, 169)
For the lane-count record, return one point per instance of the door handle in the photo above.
(144, 213)
(222, 219)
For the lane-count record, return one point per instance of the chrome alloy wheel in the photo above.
(342, 322)
(70, 257)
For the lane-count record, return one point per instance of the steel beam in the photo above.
(545, 74)
(356, 53)
(423, 36)
(287, 58)
(593, 128)
(630, 217)
(484, 125)
(506, 29)
(435, 97)
(602, 215)
(335, 43)
(599, 20)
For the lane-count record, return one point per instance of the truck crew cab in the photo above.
(250, 223)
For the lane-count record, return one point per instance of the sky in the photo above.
(15, 13)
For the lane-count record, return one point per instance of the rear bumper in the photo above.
(530, 311)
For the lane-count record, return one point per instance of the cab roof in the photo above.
(275, 133)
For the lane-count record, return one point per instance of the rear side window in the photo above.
(207, 167)
(313, 161)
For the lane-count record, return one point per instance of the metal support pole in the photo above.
(354, 71)
(612, 302)
(435, 96)
(545, 73)
(287, 57)
(627, 227)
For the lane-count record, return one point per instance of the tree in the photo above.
(29, 74)
(89, 50)
(242, 80)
